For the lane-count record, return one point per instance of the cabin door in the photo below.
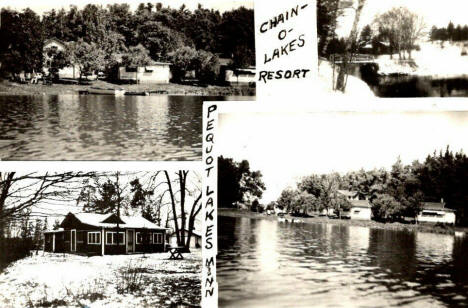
(130, 241)
(73, 240)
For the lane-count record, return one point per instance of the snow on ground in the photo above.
(431, 60)
(68, 280)
(355, 87)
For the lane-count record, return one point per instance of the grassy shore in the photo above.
(347, 222)
(13, 88)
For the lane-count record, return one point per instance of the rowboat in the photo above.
(281, 217)
(108, 91)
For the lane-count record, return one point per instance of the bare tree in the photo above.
(402, 28)
(413, 28)
(182, 178)
(350, 44)
(20, 192)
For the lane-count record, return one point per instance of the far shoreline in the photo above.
(173, 89)
(426, 228)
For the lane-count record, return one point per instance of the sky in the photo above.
(44, 6)
(434, 12)
(288, 146)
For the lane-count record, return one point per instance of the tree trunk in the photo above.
(7, 181)
(332, 28)
(340, 83)
(182, 181)
(193, 214)
(174, 211)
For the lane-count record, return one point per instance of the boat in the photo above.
(281, 217)
(106, 91)
(143, 93)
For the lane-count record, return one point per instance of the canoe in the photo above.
(143, 93)
(108, 91)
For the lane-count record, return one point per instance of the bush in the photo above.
(207, 66)
(186, 59)
(13, 249)
(131, 279)
(182, 62)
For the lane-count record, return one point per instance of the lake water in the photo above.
(413, 86)
(263, 263)
(89, 127)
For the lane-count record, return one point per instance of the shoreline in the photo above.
(13, 88)
(426, 228)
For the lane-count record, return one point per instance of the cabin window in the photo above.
(157, 238)
(130, 69)
(356, 211)
(139, 238)
(94, 238)
(432, 214)
(148, 70)
(113, 237)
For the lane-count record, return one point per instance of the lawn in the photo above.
(66, 280)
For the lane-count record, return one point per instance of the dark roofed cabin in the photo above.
(105, 234)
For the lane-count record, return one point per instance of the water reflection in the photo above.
(102, 127)
(264, 263)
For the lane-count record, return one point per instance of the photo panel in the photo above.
(394, 49)
(94, 80)
(340, 208)
(101, 235)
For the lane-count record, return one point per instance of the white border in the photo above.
(209, 203)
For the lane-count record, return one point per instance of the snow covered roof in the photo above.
(96, 220)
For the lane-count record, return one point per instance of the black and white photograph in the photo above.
(398, 48)
(100, 239)
(114, 80)
(342, 209)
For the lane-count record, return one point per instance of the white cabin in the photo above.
(360, 210)
(68, 72)
(158, 73)
(436, 212)
(240, 76)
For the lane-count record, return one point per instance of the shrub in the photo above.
(13, 249)
(131, 279)
(182, 62)
(204, 63)
(207, 66)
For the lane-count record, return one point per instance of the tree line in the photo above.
(394, 194)
(449, 33)
(98, 36)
